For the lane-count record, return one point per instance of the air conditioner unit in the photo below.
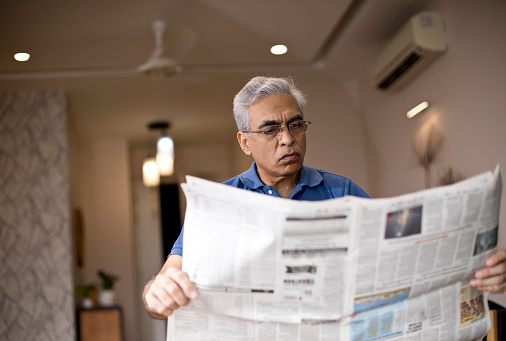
(419, 42)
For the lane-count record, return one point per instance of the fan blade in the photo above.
(158, 30)
(179, 43)
(77, 73)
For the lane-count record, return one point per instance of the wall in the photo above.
(103, 192)
(466, 88)
(36, 286)
(211, 162)
(148, 240)
(335, 140)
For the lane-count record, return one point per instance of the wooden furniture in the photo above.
(497, 319)
(99, 324)
(493, 333)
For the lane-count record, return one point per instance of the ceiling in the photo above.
(335, 38)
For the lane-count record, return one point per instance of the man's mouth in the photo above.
(290, 156)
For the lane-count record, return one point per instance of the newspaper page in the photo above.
(343, 269)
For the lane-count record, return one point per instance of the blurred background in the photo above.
(82, 103)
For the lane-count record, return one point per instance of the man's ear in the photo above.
(242, 137)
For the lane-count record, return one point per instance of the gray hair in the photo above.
(261, 87)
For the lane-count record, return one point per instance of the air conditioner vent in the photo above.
(419, 42)
(405, 65)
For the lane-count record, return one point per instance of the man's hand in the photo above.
(493, 277)
(169, 290)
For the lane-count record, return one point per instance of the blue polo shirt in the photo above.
(313, 185)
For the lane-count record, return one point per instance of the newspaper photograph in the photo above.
(342, 269)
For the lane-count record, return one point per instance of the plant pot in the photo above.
(107, 298)
(87, 303)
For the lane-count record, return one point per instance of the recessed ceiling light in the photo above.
(279, 49)
(21, 57)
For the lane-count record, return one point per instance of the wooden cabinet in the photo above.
(100, 324)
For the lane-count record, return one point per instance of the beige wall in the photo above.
(102, 180)
(466, 89)
(335, 141)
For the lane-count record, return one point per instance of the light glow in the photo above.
(416, 110)
(165, 145)
(165, 164)
(165, 155)
(150, 173)
(22, 56)
(279, 49)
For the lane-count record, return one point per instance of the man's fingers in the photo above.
(495, 285)
(493, 280)
(493, 288)
(171, 295)
(493, 277)
(496, 258)
(184, 282)
(169, 291)
(157, 306)
(497, 270)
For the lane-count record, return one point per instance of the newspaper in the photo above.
(342, 269)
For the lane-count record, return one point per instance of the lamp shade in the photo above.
(165, 155)
(165, 163)
(165, 145)
(150, 173)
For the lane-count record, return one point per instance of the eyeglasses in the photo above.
(295, 128)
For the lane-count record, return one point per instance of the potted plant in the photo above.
(85, 292)
(107, 296)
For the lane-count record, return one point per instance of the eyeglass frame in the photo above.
(280, 129)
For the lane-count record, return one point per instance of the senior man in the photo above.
(269, 113)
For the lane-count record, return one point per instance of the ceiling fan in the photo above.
(163, 62)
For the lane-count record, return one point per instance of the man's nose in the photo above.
(285, 136)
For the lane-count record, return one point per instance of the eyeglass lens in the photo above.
(295, 128)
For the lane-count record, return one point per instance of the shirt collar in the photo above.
(308, 177)
(250, 177)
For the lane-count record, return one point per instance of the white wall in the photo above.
(466, 89)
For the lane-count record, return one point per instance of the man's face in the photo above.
(280, 156)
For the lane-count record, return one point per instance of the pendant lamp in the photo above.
(163, 163)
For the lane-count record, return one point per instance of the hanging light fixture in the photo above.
(164, 160)
(150, 173)
(165, 155)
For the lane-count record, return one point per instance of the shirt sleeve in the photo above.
(341, 186)
(356, 191)
(177, 248)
